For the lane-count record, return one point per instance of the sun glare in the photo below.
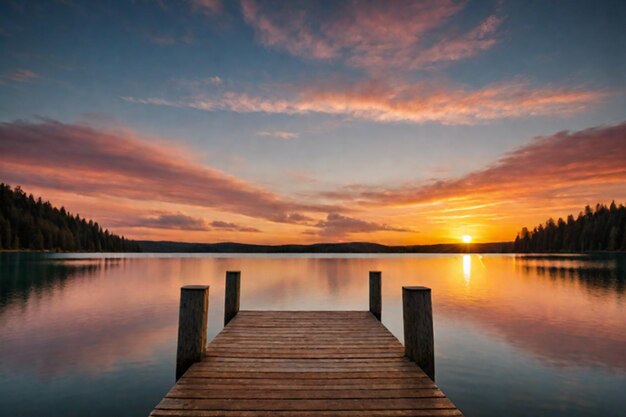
(466, 238)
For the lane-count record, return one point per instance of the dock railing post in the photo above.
(192, 326)
(417, 314)
(231, 302)
(376, 294)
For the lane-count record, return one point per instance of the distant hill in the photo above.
(351, 247)
(599, 229)
(26, 223)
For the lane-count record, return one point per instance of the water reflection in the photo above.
(598, 272)
(29, 274)
(467, 268)
(81, 319)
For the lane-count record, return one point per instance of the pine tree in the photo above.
(29, 223)
(598, 229)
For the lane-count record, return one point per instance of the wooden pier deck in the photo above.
(304, 364)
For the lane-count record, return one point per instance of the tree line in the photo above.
(599, 229)
(29, 223)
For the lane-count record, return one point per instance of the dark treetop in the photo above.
(602, 229)
(26, 223)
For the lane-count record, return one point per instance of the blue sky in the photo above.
(303, 99)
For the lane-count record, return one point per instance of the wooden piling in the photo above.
(231, 303)
(192, 326)
(376, 294)
(417, 313)
(311, 363)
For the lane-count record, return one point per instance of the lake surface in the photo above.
(95, 335)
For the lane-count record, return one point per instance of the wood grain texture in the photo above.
(192, 326)
(305, 364)
(417, 311)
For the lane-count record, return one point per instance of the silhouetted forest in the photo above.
(599, 229)
(26, 223)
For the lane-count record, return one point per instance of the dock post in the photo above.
(231, 303)
(417, 314)
(192, 326)
(375, 294)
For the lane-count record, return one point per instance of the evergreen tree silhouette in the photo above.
(29, 223)
(595, 229)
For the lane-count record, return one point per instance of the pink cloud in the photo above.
(458, 47)
(368, 34)
(20, 76)
(88, 161)
(208, 6)
(594, 158)
(400, 102)
(279, 134)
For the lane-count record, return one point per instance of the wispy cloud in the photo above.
(214, 81)
(175, 221)
(89, 161)
(233, 227)
(19, 76)
(211, 7)
(180, 221)
(338, 226)
(164, 39)
(373, 35)
(279, 134)
(457, 47)
(549, 166)
(400, 102)
(134, 173)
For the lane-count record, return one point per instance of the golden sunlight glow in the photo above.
(466, 238)
(467, 268)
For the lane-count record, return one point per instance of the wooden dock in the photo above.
(305, 364)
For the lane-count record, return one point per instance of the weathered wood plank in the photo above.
(306, 405)
(300, 394)
(305, 375)
(345, 413)
(245, 384)
(305, 364)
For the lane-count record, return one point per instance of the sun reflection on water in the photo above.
(467, 268)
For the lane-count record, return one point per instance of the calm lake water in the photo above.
(95, 335)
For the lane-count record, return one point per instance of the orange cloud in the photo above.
(87, 161)
(552, 176)
(593, 158)
(156, 191)
(370, 35)
(399, 102)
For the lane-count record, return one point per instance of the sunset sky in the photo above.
(395, 122)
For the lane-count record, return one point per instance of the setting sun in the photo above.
(466, 238)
